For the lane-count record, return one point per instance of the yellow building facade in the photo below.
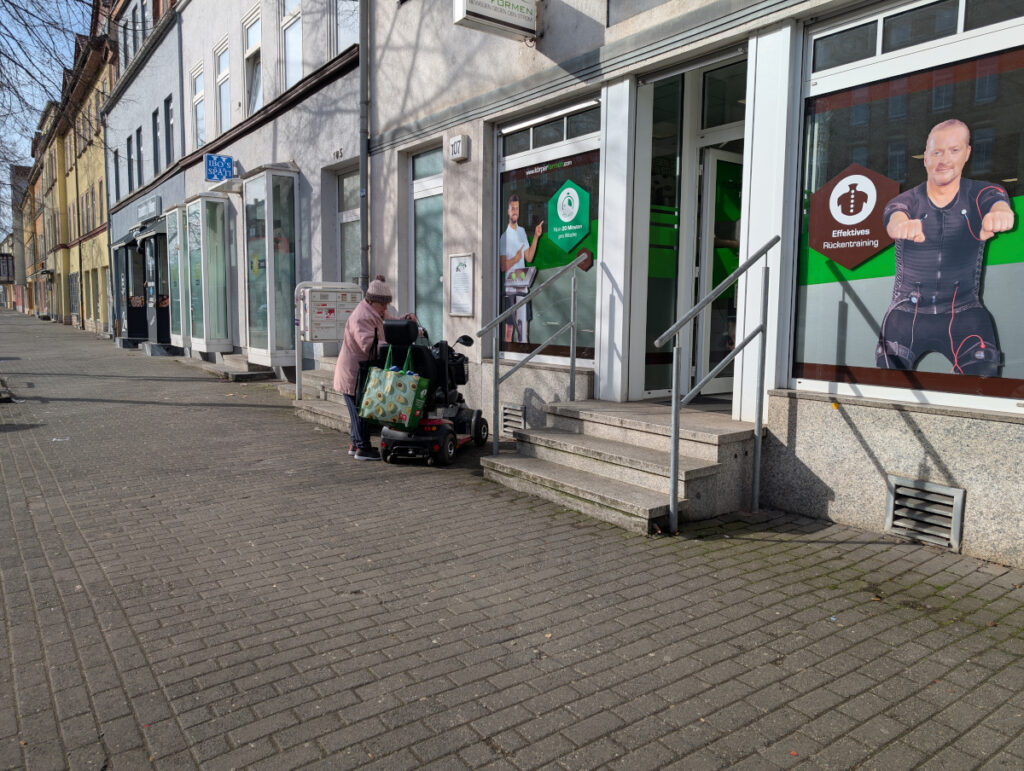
(87, 252)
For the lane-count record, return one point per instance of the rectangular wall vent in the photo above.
(923, 511)
(513, 418)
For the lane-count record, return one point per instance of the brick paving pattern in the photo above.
(193, 577)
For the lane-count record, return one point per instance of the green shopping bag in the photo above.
(394, 397)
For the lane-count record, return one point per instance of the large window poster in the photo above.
(912, 251)
(549, 218)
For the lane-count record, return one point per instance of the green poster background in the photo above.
(814, 268)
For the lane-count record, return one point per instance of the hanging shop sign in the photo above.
(846, 216)
(149, 208)
(218, 167)
(516, 19)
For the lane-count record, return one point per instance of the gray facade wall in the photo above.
(829, 457)
(318, 137)
(152, 76)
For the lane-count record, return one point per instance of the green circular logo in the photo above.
(569, 216)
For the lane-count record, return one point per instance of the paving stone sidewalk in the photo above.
(193, 577)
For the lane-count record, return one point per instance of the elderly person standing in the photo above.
(364, 326)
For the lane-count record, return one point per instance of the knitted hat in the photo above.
(378, 291)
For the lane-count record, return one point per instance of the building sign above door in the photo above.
(516, 19)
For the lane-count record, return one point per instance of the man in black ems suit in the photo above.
(940, 228)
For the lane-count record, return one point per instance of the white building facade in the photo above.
(689, 135)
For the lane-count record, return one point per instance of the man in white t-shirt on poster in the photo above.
(515, 251)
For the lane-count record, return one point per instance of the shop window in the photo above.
(253, 67)
(175, 285)
(884, 317)
(981, 13)
(725, 94)
(206, 234)
(549, 133)
(427, 241)
(256, 257)
(547, 218)
(270, 265)
(919, 25)
(348, 227)
(582, 123)
(193, 222)
(904, 29)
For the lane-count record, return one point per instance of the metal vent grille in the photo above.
(923, 511)
(513, 418)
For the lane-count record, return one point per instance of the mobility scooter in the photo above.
(447, 424)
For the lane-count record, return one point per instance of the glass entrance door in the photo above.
(689, 151)
(719, 256)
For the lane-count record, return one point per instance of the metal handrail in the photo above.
(494, 325)
(679, 402)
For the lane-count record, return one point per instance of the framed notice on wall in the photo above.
(460, 285)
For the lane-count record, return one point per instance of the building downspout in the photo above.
(364, 142)
(78, 216)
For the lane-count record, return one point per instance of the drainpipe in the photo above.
(364, 142)
(78, 216)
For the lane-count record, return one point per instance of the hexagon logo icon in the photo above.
(569, 216)
(846, 216)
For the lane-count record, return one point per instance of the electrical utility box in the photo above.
(325, 308)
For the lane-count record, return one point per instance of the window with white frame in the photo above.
(427, 231)
(929, 80)
(346, 24)
(349, 248)
(291, 41)
(253, 66)
(223, 90)
(198, 109)
(540, 160)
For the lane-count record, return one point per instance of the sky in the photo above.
(36, 44)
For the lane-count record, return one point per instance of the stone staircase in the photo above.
(320, 403)
(611, 461)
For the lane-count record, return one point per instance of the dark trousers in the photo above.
(360, 429)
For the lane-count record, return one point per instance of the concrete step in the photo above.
(316, 384)
(636, 465)
(707, 435)
(229, 373)
(625, 505)
(241, 363)
(324, 413)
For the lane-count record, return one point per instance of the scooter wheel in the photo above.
(480, 432)
(446, 454)
(387, 457)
